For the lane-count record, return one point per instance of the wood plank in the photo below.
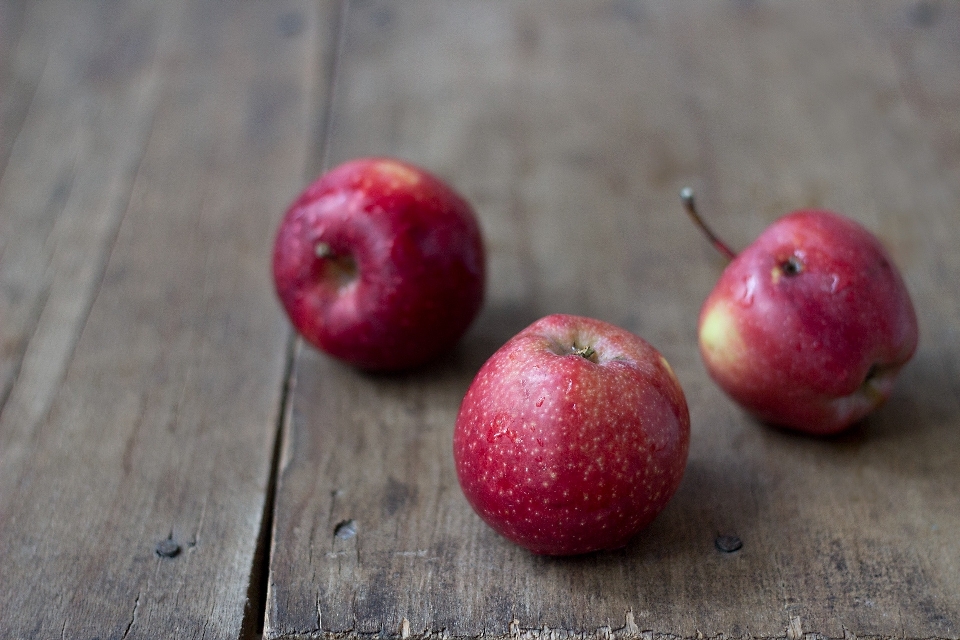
(572, 126)
(144, 353)
(60, 218)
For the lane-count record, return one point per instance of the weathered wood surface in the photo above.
(144, 150)
(572, 126)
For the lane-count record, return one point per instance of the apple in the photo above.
(807, 327)
(380, 264)
(572, 437)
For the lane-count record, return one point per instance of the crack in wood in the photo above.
(255, 611)
(133, 617)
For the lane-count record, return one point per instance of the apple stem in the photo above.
(686, 196)
(586, 352)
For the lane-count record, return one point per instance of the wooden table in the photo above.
(174, 464)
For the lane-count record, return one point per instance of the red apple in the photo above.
(809, 325)
(572, 437)
(380, 264)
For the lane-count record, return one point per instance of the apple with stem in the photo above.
(808, 326)
(572, 437)
(380, 264)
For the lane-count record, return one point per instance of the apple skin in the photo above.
(380, 264)
(816, 350)
(565, 455)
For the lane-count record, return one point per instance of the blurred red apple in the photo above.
(572, 437)
(809, 325)
(380, 264)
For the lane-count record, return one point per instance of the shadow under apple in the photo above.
(911, 434)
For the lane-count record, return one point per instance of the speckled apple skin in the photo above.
(796, 350)
(419, 256)
(563, 455)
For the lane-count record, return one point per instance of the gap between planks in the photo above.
(254, 615)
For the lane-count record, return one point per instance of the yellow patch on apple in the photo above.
(398, 174)
(775, 275)
(668, 369)
(720, 339)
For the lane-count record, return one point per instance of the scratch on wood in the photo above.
(203, 515)
(630, 628)
(319, 614)
(21, 354)
(795, 629)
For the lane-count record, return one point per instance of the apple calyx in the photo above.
(341, 268)
(792, 266)
(686, 196)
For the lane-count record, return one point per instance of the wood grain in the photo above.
(572, 126)
(147, 150)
